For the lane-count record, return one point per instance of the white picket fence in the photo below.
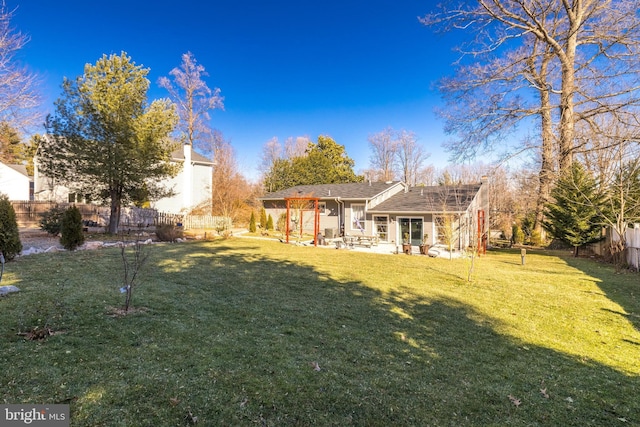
(633, 246)
(190, 222)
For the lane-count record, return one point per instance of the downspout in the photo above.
(340, 204)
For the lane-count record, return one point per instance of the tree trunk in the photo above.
(567, 115)
(567, 121)
(114, 217)
(547, 160)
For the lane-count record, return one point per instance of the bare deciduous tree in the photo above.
(19, 88)
(194, 99)
(231, 193)
(410, 155)
(585, 40)
(396, 155)
(296, 147)
(383, 160)
(271, 151)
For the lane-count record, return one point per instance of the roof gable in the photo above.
(178, 156)
(21, 169)
(438, 198)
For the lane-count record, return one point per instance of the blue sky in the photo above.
(345, 68)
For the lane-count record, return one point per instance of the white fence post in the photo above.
(633, 246)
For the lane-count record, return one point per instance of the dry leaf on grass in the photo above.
(543, 392)
(191, 419)
(315, 366)
(37, 334)
(516, 402)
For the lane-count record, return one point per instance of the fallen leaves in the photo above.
(543, 392)
(315, 366)
(516, 402)
(37, 334)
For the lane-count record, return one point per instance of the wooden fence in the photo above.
(29, 213)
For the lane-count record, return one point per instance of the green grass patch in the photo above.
(256, 332)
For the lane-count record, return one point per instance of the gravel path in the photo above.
(38, 240)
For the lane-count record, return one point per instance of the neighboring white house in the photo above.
(14, 181)
(192, 185)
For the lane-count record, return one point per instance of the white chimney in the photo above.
(187, 181)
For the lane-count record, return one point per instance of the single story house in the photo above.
(192, 185)
(15, 182)
(391, 211)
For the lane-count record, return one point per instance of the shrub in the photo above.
(270, 223)
(536, 238)
(51, 220)
(517, 235)
(168, 232)
(71, 229)
(252, 223)
(10, 244)
(263, 217)
(282, 222)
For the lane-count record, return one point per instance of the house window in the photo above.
(357, 218)
(322, 208)
(445, 229)
(381, 226)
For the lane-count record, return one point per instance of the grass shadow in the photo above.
(622, 288)
(237, 334)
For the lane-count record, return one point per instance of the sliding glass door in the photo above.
(411, 227)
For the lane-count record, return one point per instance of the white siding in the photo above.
(14, 184)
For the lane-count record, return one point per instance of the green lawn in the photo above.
(252, 332)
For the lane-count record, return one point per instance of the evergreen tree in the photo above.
(10, 244)
(11, 147)
(71, 229)
(575, 216)
(270, 223)
(252, 223)
(263, 217)
(325, 162)
(106, 139)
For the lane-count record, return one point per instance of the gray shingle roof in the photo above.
(439, 198)
(353, 191)
(20, 169)
(178, 154)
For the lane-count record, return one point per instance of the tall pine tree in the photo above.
(574, 216)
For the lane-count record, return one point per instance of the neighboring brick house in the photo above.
(390, 210)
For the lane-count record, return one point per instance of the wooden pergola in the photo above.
(316, 216)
